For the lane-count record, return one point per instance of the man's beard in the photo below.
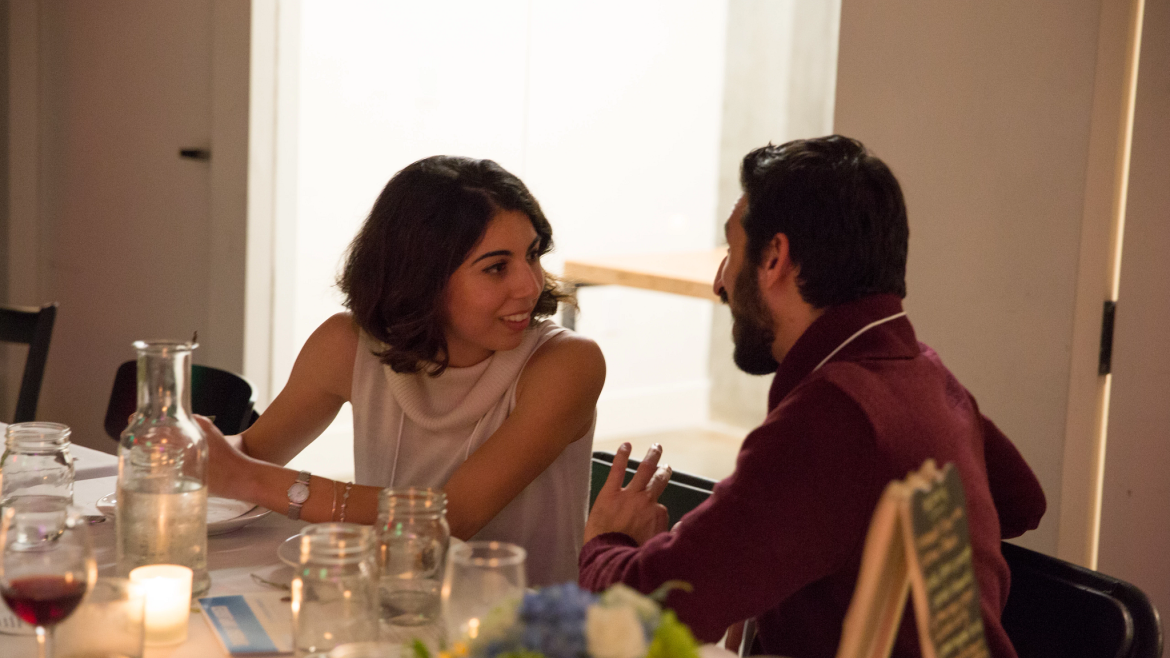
(751, 328)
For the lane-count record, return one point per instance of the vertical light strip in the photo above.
(1117, 234)
(261, 167)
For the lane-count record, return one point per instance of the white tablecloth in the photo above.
(89, 463)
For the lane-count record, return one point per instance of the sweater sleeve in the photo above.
(1019, 499)
(763, 534)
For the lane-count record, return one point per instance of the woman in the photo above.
(455, 380)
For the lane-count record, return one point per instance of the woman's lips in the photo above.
(517, 322)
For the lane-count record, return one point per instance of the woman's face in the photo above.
(489, 300)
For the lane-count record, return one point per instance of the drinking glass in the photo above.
(334, 588)
(480, 576)
(44, 580)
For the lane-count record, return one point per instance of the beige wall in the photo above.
(983, 111)
(132, 241)
(1135, 515)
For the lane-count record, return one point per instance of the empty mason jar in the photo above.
(412, 535)
(334, 588)
(37, 468)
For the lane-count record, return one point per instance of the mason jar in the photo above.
(334, 588)
(37, 468)
(412, 539)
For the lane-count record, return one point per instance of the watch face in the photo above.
(298, 492)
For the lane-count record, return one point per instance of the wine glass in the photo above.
(46, 564)
(480, 576)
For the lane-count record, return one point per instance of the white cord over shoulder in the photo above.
(860, 331)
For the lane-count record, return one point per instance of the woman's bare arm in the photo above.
(555, 402)
(319, 384)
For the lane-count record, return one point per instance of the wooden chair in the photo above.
(214, 392)
(32, 327)
(1056, 608)
(683, 493)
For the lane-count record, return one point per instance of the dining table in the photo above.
(232, 558)
(242, 561)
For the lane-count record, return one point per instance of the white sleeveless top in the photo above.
(416, 430)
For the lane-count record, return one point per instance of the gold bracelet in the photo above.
(344, 500)
(333, 486)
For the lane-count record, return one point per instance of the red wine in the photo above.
(43, 600)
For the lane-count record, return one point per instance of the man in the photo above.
(814, 275)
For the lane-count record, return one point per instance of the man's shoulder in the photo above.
(884, 381)
(818, 405)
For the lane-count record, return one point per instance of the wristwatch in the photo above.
(298, 493)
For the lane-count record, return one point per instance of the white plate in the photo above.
(223, 514)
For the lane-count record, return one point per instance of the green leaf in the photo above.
(672, 639)
(420, 650)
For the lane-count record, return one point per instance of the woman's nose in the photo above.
(531, 283)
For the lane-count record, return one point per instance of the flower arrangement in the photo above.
(565, 621)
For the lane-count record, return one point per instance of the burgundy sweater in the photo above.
(781, 538)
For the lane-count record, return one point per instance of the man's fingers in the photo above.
(658, 482)
(645, 469)
(662, 520)
(617, 472)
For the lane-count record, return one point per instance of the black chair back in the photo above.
(214, 392)
(1056, 608)
(683, 493)
(32, 327)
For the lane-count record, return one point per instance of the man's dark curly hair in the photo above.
(842, 210)
(422, 227)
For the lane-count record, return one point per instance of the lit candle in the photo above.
(168, 601)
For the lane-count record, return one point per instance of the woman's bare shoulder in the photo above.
(566, 356)
(335, 336)
(328, 355)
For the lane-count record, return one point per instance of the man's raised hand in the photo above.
(633, 509)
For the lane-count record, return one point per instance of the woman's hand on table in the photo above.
(227, 467)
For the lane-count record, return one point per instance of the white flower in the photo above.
(620, 596)
(614, 632)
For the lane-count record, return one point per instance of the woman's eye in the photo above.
(495, 269)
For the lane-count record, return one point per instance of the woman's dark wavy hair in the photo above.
(842, 210)
(422, 227)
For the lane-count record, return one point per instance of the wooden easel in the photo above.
(918, 543)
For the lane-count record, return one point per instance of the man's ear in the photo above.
(775, 265)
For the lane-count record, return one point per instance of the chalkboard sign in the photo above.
(918, 541)
(947, 599)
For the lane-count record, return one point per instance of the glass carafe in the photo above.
(162, 469)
